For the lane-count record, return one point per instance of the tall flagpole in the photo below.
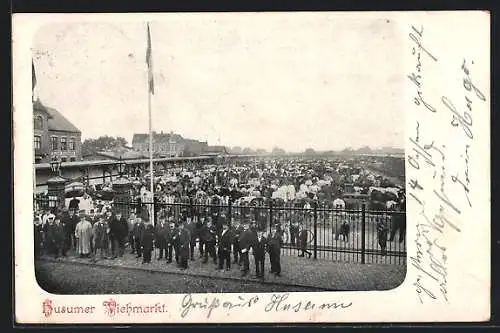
(149, 61)
(151, 175)
(33, 85)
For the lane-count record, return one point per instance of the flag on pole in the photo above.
(33, 75)
(149, 62)
(151, 88)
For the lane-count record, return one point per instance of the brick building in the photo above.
(164, 144)
(174, 145)
(54, 135)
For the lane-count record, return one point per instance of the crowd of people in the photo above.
(108, 235)
(98, 229)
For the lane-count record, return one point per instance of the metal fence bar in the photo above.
(363, 233)
(315, 230)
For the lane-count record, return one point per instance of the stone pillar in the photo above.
(121, 186)
(56, 187)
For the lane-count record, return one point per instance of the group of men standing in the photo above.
(89, 235)
(107, 234)
(215, 243)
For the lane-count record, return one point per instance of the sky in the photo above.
(291, 80)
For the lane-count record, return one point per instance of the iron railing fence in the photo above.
(337, 234)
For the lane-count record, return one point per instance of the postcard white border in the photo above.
(452, 35)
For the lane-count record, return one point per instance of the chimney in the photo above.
(161, 132)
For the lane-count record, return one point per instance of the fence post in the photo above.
(363, 232)
(230, 220)
(270, 214)
(315, 230)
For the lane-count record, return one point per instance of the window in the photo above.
(72, 144)
(38, 142)
(38, 123)
(72, 159)
(54, 143)
(63, 143)
(63, 159)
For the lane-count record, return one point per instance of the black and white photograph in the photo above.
(252, 167)
(199, 156)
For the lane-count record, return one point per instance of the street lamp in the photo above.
(56, 184)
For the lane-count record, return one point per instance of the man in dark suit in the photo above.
(225, 241)
(259, 253)
(38, 236)
(191, 227)
(246, 240)
(237, 230)
(170, 240)
(294, 233)
(55, 235)
(117, 234)
(68, 222)
(200, 221)
(147, 243)
(184, 241)
(274, 250)
(138, 232)
(302, 240)
(161, 233)
(398, 222)
(208, 237)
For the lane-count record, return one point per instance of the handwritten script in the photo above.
(435, 173)
(270, 303)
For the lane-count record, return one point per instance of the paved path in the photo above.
(68, 278)
(320, 274)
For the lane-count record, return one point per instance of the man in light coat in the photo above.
(83, 235)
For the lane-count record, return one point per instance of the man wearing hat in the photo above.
(259, 248)
(236, 232)
(38, 235)
(294, 232)
(191, 227)
(274, 250)
(225, 240)
(131, 223)
(302, 241)
(208, 235)
(118, 232)
(100, 237)
(170, 240)
(245, 244)
(137, 232)
(147, 243)
(66, 221)
(83, 236)
(161, 233)
(55, 235)
(184, 239)
(92, 218)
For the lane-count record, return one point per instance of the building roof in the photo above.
(157, 137)
(215, 149)
(125, 155)
(38, 106)
(56, 121)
